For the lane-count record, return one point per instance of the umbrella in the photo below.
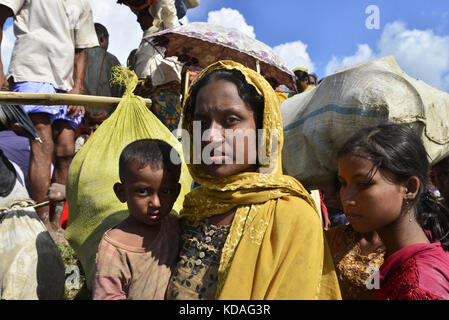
(201, 44)
(10, 114)
(136, 4)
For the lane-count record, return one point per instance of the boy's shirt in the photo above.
(136, 273)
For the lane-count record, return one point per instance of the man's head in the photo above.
(149, 180)
(440, 177)
(302, 78)
(94, 117)
(103, 35)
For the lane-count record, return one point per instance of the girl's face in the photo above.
(368, 203)
(228, 130)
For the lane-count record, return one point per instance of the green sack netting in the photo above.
(93, 206)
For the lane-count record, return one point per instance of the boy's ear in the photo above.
(120, 191)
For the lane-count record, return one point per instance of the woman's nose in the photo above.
(347, 197)
(215, 132)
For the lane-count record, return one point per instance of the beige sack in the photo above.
(318, 122)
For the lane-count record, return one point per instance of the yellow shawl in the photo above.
(276, 247)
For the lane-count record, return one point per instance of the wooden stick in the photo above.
(51, 99)
(42, 204)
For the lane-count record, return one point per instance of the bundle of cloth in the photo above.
(31, 265)
(318, 122)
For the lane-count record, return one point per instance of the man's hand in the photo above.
(56, 192)
(3, 81)
(75, 110)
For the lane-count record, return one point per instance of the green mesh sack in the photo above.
(93, 206)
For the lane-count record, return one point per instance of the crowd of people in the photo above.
(246, 230)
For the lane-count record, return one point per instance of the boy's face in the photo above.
(93, 121)
(150, 193)
(440, 177)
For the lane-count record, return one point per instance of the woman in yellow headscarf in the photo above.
(248, 231)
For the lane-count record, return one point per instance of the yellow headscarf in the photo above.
(275, 248)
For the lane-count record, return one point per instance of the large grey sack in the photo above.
(318, 122)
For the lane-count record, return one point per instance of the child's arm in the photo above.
(112, 274)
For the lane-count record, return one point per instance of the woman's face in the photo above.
(228, 130)
(368, 203)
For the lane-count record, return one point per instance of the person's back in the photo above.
(99, 64)
(135, 259)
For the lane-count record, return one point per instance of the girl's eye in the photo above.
(364, 184)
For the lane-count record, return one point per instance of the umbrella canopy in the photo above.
(10, 114)
(201, 44)
(136, 4)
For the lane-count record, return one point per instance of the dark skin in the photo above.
(58, 141)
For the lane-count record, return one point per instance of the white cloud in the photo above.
(420, 53)
(124, 31)
(295, 55)
(231, 18)
(7, 46)
(363, 54)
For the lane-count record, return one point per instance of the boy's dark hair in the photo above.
(148, 152)
(246, 91)
(99, 110)
(101, 29)
(399, 150)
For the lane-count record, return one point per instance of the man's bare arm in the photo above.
(79, 70)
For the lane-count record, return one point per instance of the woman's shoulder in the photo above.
(298, 210)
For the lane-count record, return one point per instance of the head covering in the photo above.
(301, 69)
(266, 255)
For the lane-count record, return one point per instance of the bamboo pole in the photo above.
(51, 99)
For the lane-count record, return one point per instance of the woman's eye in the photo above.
(364, 184)
(232, 120)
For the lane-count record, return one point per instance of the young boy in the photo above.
(134, 259)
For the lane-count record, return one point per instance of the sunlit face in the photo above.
(368, 203)
(150, 193)
(228, 129)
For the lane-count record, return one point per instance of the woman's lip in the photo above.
(353, 217)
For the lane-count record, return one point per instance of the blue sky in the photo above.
(322, 35)
(335, 28)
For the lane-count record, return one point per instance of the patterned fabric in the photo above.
(416, 272)
(166, 102)
(207, 44)
(353, 268)
(264, 255)
(196, 274)
(136, 273)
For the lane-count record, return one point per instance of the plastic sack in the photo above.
(31, 265)
(93, 205)
(317, 122)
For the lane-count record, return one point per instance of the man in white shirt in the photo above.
(49, 57)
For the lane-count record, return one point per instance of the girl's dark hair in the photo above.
(246, 91)
(398, 149)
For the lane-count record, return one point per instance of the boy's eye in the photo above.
(166, 191)
(142, 191)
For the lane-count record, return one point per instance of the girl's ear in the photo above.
(120, 192)
(412, 186)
